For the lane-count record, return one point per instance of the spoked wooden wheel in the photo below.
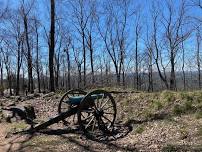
(97, 112)
(65, 105)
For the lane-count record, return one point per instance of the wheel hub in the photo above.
(99, 113)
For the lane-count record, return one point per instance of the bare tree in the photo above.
(1, 72)
(17, 33)
(7, 62)
(19, 63)
(52, 46)
(114, 34)
(198, 43)
(183, 66)
(80, 20)
(149, 43)
(173, 35)
(137, 37)
(91, 48)
(197, 3)
(79, 60)
(67, 50)
(36, 26)
(57, 62)
(172, 23)
(25, 14)
(155, 19)
(4, 12)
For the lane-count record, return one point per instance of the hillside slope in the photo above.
(161, 121)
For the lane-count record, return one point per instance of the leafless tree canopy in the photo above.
(53, 45)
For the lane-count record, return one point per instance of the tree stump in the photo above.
(30, 112)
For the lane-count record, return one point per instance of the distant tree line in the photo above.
(53, 45)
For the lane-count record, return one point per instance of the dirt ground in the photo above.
(164, 121)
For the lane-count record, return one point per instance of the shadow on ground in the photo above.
(76, 141)
(120, 131)
(73, 137)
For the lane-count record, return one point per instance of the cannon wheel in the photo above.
(98, 114)
(64, 106)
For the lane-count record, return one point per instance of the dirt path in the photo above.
(7, 144)
(10, 142)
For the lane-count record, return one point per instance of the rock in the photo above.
(32, 96)
(37, 95)
(6, 92)
(15, 98)
(49, 94)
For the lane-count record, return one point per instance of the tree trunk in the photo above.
(68, 68)
(118, 76)
(52, 46)
(10, 84)
(91, 59)
(23, 80)
(183, 72)
(160, 74)
(44, 83)
(172, 72)
(29, 58)
(79, 75)
(136, 61)
(118, 79)
(84, 58)
(123, 76)
(57, 72)
(9, 80)
(150, 87)
(63, 74)
(106, 74)
(2, 85)
(37, 59)
(198, 60)
(18, 68)
(101, 74)
(47, 84)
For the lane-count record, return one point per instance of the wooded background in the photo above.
(51, 45)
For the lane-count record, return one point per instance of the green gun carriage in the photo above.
(92, 112)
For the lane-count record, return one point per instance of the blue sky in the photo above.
(42, 12)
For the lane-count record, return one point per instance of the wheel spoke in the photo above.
(96, 113)
(73, 118)
(96, 108)
(94, 125)
(106, 118)
(104, 103)
(108, 107)
(67, 96)
(88, 111)
(102, 99)
(97, 102)
(65, 105)
(87, 117)
(92, 108)
(102, 121)
(82, 115)
(109, 113)
(89, 123)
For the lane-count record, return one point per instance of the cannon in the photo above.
(91, 112)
